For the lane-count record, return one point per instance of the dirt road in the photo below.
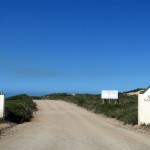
(59, 125)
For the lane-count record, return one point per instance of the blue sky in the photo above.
(77, 46)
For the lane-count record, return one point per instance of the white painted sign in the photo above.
(144, 108)
(109, 94)
(2, 101)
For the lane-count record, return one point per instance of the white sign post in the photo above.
(109, 94)
(144, 108)
(2, 102)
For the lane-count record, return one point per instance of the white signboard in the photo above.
(144, 108)
(109, 94)
(2, 98)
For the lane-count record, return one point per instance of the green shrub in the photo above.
(130, 118)
(81, 101)
(19, 108)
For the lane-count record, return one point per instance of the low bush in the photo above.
(19, 108)
(130, 118)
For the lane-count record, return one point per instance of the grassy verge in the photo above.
(19, 108)
(125, 111)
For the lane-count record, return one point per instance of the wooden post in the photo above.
(103, 101)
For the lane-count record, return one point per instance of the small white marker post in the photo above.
(2, 103)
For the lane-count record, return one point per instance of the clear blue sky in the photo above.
(77, 46)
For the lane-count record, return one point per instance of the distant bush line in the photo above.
(125, 111)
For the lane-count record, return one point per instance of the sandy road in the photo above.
(59, 125)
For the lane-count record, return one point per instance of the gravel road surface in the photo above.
(59, 125)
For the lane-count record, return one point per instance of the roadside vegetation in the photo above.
(125, 110)
(19, 109)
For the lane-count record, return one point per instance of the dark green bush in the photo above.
(130, 118)
(81, 101)
(19, 108)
